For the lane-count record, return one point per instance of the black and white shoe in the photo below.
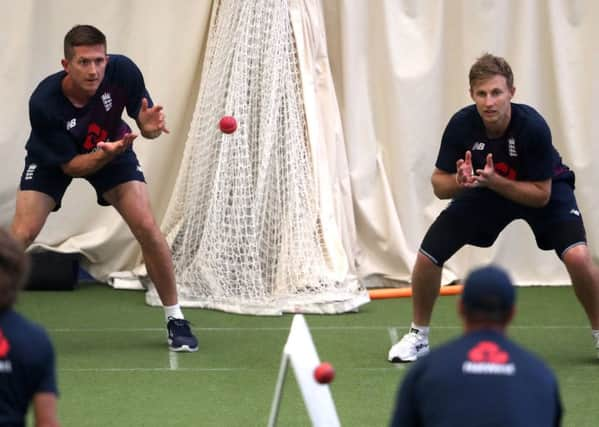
(180, 337)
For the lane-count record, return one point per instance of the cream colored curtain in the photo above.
(166, 40)
(399, 68)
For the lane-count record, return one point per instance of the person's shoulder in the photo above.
(461, 122)
(528, 116)
(119, 59)
(120, 63)
(121, 70)
(26, 327)
(48, 89)
(528, 360)
(441, 355)
(465, 114)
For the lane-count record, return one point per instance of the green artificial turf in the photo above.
(114, 368)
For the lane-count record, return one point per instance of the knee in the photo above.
(146, 229)
(24, 233)
(578, 259)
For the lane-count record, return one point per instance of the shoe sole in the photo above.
(184, 348)
(398, 360)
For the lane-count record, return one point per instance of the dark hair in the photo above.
(82, 35)
(488, 66)
(489, 295)
(14, 268)
(497, 314)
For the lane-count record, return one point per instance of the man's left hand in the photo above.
(485, 177)
(151, 120)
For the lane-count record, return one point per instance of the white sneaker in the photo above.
(409, 348)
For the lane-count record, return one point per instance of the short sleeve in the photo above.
(49, 143)
(537, 164)
(452, 144)
(132, 78)
(46, 367)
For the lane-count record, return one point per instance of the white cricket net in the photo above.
(244, 224)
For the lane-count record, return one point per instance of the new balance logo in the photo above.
(478, 146)
(5, 366)
(511, 143)
(420, 346)
(30, 171)
(107, 101)
(71, 124)
(575, 212)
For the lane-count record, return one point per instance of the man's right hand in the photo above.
(113, 149)
(465, 174)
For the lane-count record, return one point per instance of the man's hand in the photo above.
(151, 121)
(464, 175)
(113, 149)
(86, 164)
(484, 177)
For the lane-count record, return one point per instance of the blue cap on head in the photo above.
(488, 289)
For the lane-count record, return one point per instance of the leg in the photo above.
(584, 274)
(32, 210)
(132, 201)
(460, 223)
(426, 283)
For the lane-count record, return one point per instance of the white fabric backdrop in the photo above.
(400, 71)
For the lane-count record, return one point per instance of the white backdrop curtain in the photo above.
(399, 68)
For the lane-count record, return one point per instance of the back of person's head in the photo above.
(14, 266)
(82, 35)
(488, 66)
(488, 296)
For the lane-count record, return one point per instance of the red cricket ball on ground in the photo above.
(324, 373)
(228, 124)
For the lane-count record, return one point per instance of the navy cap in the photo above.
(488, 289)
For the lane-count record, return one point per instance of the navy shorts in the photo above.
(477, 216)
(51, 180)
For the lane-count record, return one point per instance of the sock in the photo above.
(173, 311)
(421, 330)
(595, 333)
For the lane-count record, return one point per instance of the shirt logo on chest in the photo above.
(71, 124)
(4, 345)
(95, 134)
(107, 101)
(511, 146)
(488, 358)
(478, 146)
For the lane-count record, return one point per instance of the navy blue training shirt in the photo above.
(524, 153)
(60, 131)
(479, 379)
(27, 366)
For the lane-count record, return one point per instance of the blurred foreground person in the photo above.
(27, 366)
(482, 378)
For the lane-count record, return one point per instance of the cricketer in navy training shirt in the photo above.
(77, 131)
(459, 384)
(27, 366)
(524, 152)
(60, 130)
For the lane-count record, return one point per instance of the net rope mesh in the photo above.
(243, 224)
